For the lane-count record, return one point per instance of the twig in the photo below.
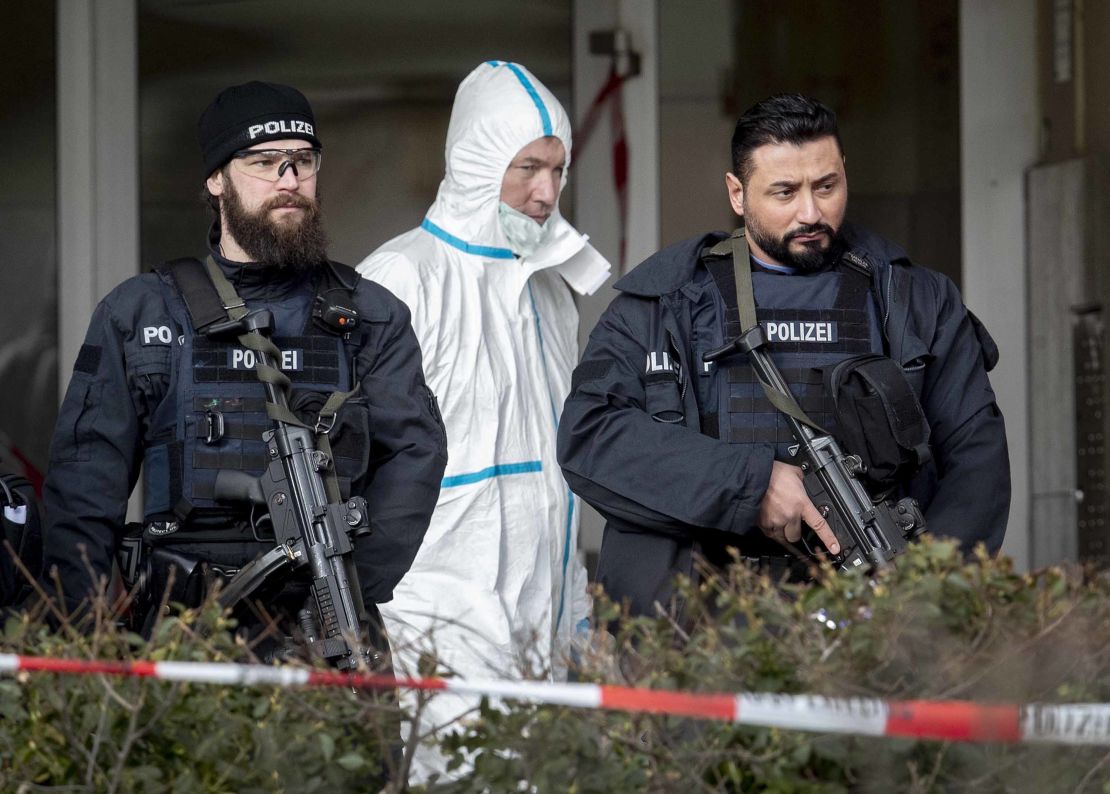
(1090, 774)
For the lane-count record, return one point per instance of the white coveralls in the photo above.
(496, 589)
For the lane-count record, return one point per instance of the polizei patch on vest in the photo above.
(282, 125)
(801, 331)
(241, 358)
(312, 359)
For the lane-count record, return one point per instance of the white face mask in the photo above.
(525, 235)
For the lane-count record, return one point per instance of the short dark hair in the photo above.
(783, 118)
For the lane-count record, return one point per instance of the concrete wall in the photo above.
(595, 200)
(696, 116)
(1056, 194)
(998, 134)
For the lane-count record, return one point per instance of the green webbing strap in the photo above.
(236, 309)
(235, 306)
(323, 437)
(745, 305)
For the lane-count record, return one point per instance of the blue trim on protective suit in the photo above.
(465, 247)
(545, 117)
(570, 494)
(500, 470)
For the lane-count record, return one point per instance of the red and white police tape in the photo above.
(1073, 723)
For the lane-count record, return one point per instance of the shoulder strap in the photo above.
(189, 277)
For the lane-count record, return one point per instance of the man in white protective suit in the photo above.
(496, 589)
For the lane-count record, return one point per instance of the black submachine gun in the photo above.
(313, 526)
(870, 532)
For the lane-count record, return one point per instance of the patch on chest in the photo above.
(307, 359)
(801, 331)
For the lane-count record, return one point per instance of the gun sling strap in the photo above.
(745, 305)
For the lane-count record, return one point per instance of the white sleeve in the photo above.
(581, 603)
(401, 276)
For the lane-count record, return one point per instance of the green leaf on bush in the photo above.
(351, 762)
(327, 745)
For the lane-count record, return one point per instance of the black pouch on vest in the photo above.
(879, 418)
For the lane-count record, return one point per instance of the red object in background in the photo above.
(21, 465)
(611, 93)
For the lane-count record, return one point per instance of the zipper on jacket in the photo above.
(864, 264)
(889, 294)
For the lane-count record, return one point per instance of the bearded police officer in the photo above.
(686, 457)
(151, 387)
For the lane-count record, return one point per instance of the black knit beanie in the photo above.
(243, 115)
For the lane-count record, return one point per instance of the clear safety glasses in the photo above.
(271, 164)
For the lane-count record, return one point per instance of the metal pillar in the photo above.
(98, 162)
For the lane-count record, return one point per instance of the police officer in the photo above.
(150, 388)
(686, 457)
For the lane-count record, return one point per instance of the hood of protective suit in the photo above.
(499, 109)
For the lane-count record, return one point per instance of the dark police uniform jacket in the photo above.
(644, 451)
(125, 371)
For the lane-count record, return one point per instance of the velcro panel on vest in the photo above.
(319, 361)
(229, 459)
(162, 464)
(807, 386)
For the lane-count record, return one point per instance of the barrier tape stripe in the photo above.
(962, 721)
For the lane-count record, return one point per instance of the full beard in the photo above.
(811, 258)
(298, 243)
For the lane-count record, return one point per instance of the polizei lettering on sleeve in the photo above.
(661, 361)
(157, 335)
(240, 358)
(284, 125)
(801, 331)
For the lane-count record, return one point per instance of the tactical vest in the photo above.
(839, 320)
(214, 413)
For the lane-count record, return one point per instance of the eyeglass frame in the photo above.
(285, 165)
